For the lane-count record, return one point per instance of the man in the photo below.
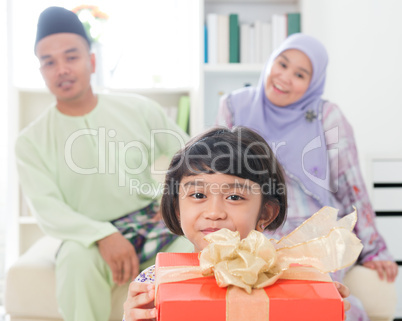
(84, 166)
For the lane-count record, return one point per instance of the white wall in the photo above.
(364, 42)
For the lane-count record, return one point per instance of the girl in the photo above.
(314, 143)
(221, 179)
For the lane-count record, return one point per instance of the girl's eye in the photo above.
(71, 58)
(198, 195)
(234, 198)
(301, 76)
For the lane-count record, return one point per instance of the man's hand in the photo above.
(120, 255)
(387, 269)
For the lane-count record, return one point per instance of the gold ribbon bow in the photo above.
(321, 242)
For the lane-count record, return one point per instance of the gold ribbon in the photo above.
(322, 243)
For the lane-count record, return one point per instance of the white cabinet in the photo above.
(386, 194)
(218, 79)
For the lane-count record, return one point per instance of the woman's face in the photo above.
(289, 78)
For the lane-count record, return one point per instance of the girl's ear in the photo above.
(177, 212)
(268, 214)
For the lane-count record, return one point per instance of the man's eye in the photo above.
(47, 64)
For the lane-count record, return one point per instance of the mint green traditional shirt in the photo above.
(81, 172)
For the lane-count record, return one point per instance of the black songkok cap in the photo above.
(59, 20)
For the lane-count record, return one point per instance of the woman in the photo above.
(314, 143)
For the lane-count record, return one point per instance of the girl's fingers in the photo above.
(138, 287)
(139, 303)
(342, 289)
(139, 295)
(344, 292)
(140, 314)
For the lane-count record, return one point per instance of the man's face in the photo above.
(66, 65)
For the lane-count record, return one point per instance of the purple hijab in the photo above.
(294, 132)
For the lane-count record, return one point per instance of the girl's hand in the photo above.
(389, 269)
(344, 292)
(140, 302)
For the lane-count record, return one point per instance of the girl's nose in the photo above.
(215, 209)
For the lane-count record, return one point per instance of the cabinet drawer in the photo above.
(387, 199)
(390, 229)
(387, 171)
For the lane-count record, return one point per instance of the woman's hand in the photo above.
(388, 269)
(344, 292)
(139, 304)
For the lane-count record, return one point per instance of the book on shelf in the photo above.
(229, 40)
(293, 23)
(245, 43)
(223, 39)
(258, 40)
(183, 114)
(283, 25)
(266, 40)
(212, 38)
(251, 48)
(234, 47)
(279, 30)
(205, 44)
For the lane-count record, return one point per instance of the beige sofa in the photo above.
(30, 292)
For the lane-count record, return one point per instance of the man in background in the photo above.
(84, 166)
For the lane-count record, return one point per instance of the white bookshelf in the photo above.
(216, 80)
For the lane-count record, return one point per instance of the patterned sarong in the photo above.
(147, 234)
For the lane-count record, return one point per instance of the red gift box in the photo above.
(201, 299)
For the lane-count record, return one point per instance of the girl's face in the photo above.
(289, 78)
(209, 202)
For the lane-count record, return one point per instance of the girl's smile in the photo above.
(210, 202)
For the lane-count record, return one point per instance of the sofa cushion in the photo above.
(30, 291)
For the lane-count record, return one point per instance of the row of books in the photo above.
(229, 41)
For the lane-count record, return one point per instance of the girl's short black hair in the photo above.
(239, 152)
